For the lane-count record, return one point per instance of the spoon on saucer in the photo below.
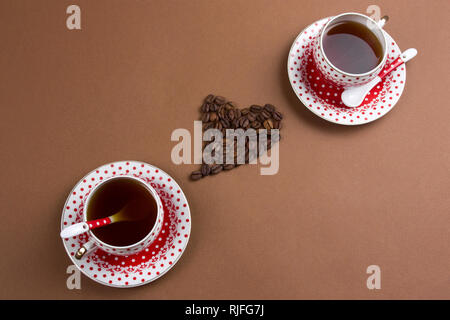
(133, 211)
(354, 96)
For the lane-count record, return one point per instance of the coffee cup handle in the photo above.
(383, 21)
(86, 248)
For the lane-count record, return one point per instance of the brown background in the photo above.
(344, 198)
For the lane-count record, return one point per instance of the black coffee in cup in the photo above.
(134, 199)
(352, 47)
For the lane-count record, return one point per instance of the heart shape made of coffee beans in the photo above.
(222, 114)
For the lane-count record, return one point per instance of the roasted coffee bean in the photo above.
(220, 100)
(213, 107)
(231, 115)
(277, 115)
(196, 175)
(265, 114)
(243, 122)
(260, 118)
(256, 124)
(215, 169)
(212, 116)
(222, 112)
(245, 111)
(205, 117)
(205, 107)
(228, 166)
(268, 124)
(240, 120)
(208, 125)
(232, 104)
(255, 108)
(269, 108)
(209, 98)
(229, 106)
(251, 116)
(237, 113)
(205, 169)
(225, 123)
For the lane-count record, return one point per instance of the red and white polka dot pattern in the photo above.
(99, 223)
(150, 262)
(323, 98)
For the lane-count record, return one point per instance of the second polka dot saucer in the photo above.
(152, 262)
(324, 99)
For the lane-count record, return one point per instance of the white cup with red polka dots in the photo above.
(339, 77)
(94, 242)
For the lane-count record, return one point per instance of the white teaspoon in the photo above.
(354, 96)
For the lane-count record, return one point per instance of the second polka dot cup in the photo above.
(339, 77)
(95, 243)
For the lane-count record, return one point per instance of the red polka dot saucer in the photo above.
(152, 262)
(324, 99)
